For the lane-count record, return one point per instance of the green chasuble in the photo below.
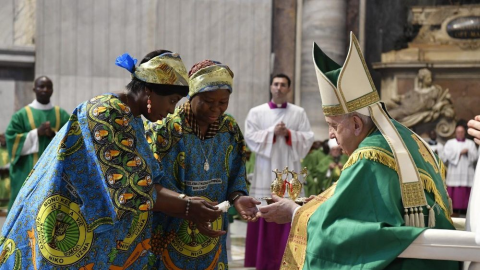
(313, 182)
(250, 163)
(4, 179)
(23, 121)
(325, 181)
(360, 225)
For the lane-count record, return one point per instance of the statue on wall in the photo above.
(426, 103)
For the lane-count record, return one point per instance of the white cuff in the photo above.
(294, 212)
(30, 145)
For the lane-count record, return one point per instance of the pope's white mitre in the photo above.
(344, 89)
(349, 88)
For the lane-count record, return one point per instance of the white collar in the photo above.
(39, 106)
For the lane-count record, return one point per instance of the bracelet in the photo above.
(232, 200)
(188, 206)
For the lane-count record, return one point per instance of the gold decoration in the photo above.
(412, 194)
(425, 153)
(363, 101)
(430, 187)
(383, 157)
(278, 184)
(293, 186)
(294, 256)
(331, 110)
(376, 154)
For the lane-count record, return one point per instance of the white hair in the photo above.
(367, 120)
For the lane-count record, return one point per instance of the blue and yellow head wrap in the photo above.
(212, 77)
(165, 69)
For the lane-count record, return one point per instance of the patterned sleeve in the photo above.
(161, 136)
(122, 153)
(236, 157)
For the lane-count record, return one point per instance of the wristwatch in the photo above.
(182, 196)
(232, 200)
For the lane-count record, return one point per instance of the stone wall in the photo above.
(323, 22)
(17, 56)
(78, 41)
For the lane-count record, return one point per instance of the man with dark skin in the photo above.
(30, 131)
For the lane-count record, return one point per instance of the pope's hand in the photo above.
(474, 129)
(310, 198)
(246, 206)
(280, 212)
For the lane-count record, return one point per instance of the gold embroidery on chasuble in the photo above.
(33, 126)
(425, 153)
(294, 256)
(411, 190)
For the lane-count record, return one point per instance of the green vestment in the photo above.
(250, 163)
(325, 180)
(312, 182)
(4, 179)
(361, 226)
(23, 121)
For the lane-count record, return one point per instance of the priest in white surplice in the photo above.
(461, 154)
(279, 133)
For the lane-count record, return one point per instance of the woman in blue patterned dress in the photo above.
(202, 154)
(87, 204)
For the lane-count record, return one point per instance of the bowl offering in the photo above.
(268, 200)
(301, 201)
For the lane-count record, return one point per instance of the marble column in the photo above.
(24, 22)
(283, 39)
(323, 22)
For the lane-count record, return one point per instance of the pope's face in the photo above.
(342, 129)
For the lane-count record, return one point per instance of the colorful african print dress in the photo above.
(180, 150)
(86, 204)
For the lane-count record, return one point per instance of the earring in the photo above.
(149, 105)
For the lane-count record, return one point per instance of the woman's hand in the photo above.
(246, 206)
(280, 212)
(201, 211)
(206, 229)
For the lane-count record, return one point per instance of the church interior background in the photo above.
(75, 43)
